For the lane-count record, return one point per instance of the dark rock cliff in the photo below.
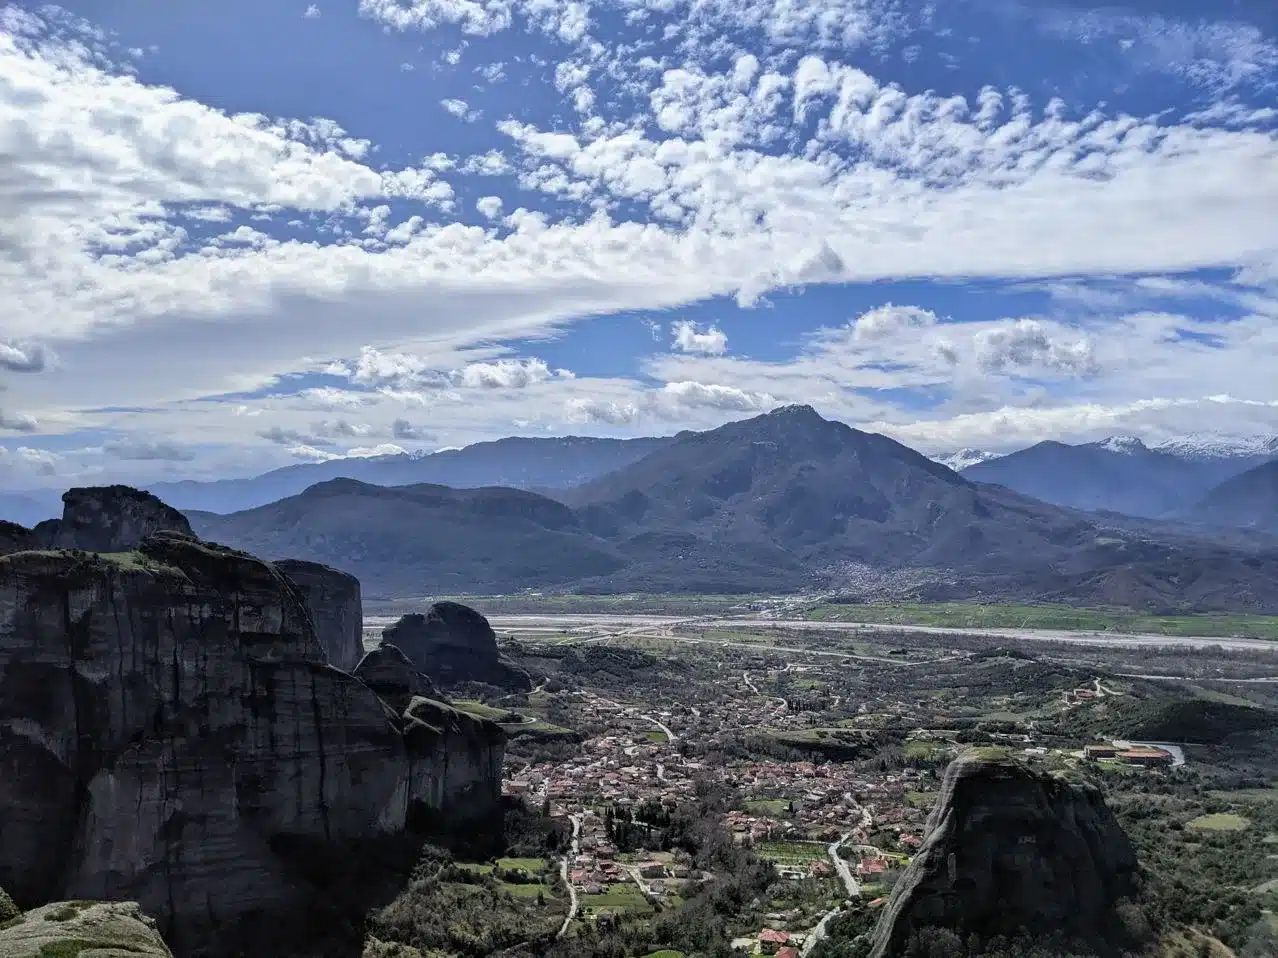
(333, 598)
(16, 538)
(452, 643)
(171, 734)
(109, 519)
(388, 672)
(1008, 849)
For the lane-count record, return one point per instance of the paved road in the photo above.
(563, 873)
(1108, 639)
(842, 867)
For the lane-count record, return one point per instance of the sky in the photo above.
(241, 235)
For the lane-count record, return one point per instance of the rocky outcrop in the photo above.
(16, 538)
(172, 734)
(388, 672)
(8, 910)
(452, 643)
(1007, 849)
(100, 929)
(109, 519)
(333, 599)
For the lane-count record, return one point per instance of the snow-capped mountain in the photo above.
(964, 458)
(1205, 447)
(1124, 445)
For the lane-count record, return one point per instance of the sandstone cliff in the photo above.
(1008, 849)
(97, 929)
(173, 735)
(333, 598)
(108, 519)
(452, 643)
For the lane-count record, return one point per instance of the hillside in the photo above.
(777, 503)
(515, 462)
(1248, 501)
(1118, 475)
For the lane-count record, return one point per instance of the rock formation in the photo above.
(388, 672)
(334, 602)
(172, 734)
(1008, 849)
(101, 929)
(16, 538)
(452, 643)
(8, 910)
(108, 519)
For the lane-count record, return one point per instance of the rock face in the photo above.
(16, 538)
(172, 734)
(100, 929)
(338, 613)
(388, 672)
(1009, 848)
(452, 643)
(109, 519)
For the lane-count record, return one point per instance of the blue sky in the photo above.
(279, 232)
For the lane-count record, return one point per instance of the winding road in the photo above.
(563, 873)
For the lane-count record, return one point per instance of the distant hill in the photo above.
(1119, 474)
(778, 503)
(1247, 501)
(515, 462)
(28, 508)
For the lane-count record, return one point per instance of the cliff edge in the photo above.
(1010, 849)
(174, 736)
(452, 643)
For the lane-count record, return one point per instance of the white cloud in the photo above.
(17, 422)
(889, 321)
(460, 109)
(312, 12)
(403, 429)
(489, 206)
(21, 357)
(147, 450)
(503, 374)
(712, 342)
(1027, 345)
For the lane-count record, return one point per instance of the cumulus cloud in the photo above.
(1028, 344)
(712, 342)
(21, 357)
(17, 422)
(403, 429)
(489, 206)
(312, 13)
(504, 374)
(291, 437)
(607, 411)
(147, 451)
(460, 109)
(889, 321)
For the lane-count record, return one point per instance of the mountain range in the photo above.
(781, 502)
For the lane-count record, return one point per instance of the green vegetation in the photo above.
(656, 736)
(482, 710)
(775, 807)
(786, 853)
(1220, 822)
(1066, 618)
(921, 749)
(623, 897)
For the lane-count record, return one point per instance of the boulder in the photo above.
(388, 672)
(97, 929)
(109, 519)
(452, 643)
(333, 599)
(16, 538)
(173, 735)
(1009, 848)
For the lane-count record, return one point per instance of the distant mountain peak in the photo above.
(1212, 445)
(795, 411)
(1125, 445)
(963, 458)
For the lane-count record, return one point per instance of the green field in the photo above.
(480, 709)
(775, 807)
(530, 865)
(1220, 822)
(656, 736)
(795, 853)
(1066, 618)
(618, 898)
(922, 749)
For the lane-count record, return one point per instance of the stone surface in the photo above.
(97, 929)
(173, 735)
(452, 643)
(109, 519)
(16, 538)
(1011, 848)
(333, 598)
(8, 910)
(388, 672)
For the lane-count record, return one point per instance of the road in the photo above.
(563, 873)
(671, 738)
(653, 622)
(850, 885)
